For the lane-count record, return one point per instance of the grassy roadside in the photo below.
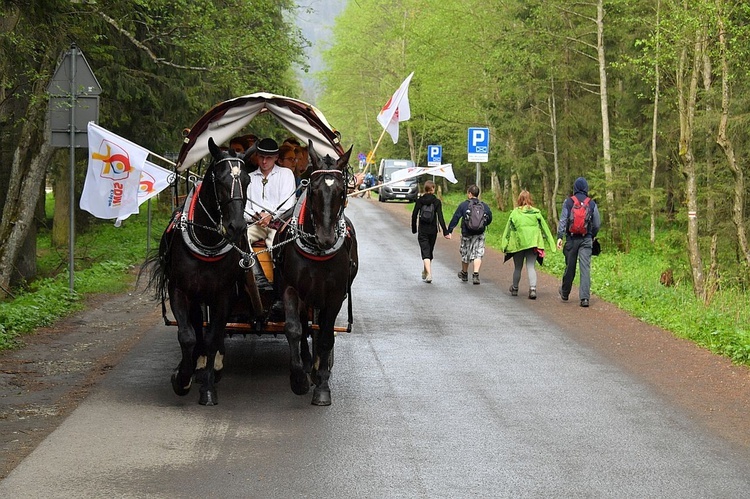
(631, 281)
(106, 258)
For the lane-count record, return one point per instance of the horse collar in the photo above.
(186, 226)
(304, 242)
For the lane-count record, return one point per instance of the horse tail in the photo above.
(158, 266)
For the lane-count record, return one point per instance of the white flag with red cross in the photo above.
(396, 109)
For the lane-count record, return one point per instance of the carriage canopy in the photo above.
(226, 119)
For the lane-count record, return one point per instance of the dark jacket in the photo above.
(580, 191)
(459, 215)
(432, 228)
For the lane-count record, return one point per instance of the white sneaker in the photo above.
(428, 279)
(424, 275)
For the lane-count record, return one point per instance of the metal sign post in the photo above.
(74, 101)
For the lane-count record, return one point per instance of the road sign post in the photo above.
(74, 101)
(479, 148)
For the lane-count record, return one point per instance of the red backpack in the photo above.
(580, 215)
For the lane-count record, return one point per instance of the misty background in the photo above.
(315, 18)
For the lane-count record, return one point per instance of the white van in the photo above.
(407, 189)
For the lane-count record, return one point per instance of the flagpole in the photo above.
(162, 158)
(372, 154)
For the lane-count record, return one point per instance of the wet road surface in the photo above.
(442, 390)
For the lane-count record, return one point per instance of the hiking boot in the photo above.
(513, 291)
(424, 275)
(475, 278)
(563, 296)
(464, 276)
(532, 293)
(428, 279)
(584, 303)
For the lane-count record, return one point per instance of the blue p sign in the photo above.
(434, 155)
(479, 145)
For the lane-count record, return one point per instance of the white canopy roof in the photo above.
(225, 120)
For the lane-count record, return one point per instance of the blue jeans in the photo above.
(577, 250)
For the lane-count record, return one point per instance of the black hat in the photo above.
(268, 147)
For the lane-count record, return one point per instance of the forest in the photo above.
(161, 64)
(646, 99)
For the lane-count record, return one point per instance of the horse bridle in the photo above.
(307, 241)
(236, 194)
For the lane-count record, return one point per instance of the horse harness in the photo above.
(305, 243)
(184, 220)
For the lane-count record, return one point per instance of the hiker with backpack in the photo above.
(425, 217)
(525, 237)
(579, 223)
(474, 215)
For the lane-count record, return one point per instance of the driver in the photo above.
(270, 193)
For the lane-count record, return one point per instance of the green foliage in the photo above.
(105, 256)
(631, 280)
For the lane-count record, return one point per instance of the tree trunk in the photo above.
(514, 188)
(654, 129)
(61, 215)
(30, 159)
(738, 216)
(603, 99)
(553, 128)
(687, 99)
(497, 191)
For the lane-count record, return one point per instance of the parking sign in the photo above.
(479, 145)
(434, 155)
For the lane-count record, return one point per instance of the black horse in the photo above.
(315, 270)
(198, 265)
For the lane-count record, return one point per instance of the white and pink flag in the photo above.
(396, 109)
(112, 184)
(445, 170)
(154, 179)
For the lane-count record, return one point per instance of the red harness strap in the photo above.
(190, 212)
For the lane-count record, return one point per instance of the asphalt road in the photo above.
(442, 390)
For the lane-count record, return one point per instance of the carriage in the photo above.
(204, 259)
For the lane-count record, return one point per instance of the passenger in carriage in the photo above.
(292, 141)
(242, 143)
(236, 144)
(301, 162)
(269, 195)
(287, 157)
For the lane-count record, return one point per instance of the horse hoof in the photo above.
(177, 386)
(299, 382)
(217, 375)
(199, 376)
(321, 397)
(208, 398)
